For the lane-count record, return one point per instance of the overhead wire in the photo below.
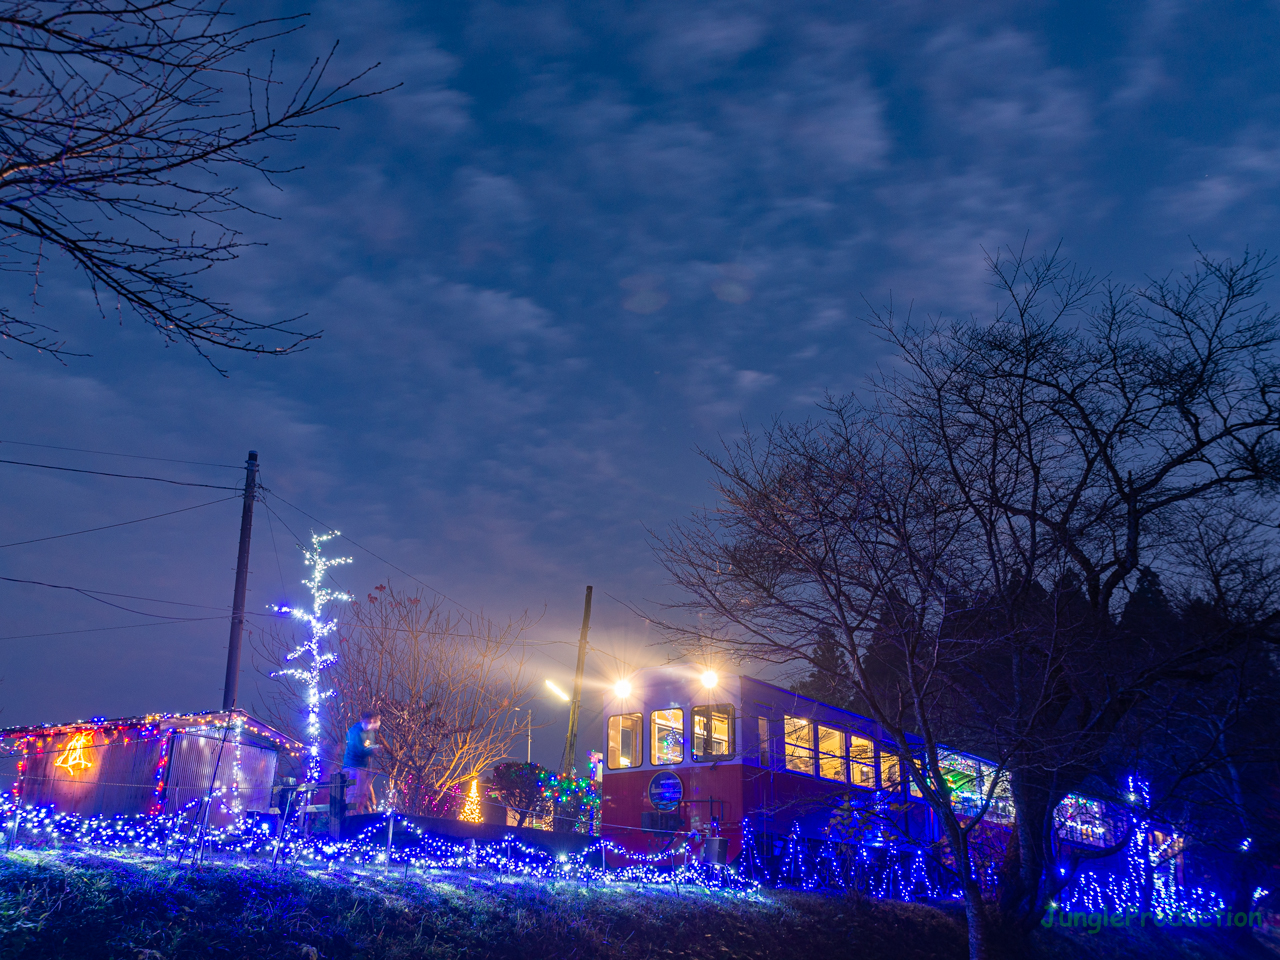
(439, 593)
(110, 526)
(122, 476)
(274, 548)
(266, 506)
(358, 546)
(125, 626)
(99, 594)
(131, 456)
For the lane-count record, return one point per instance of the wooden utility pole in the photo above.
(242, 583)
(571, 741)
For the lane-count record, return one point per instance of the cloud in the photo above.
(694, 43)
(582, 240)
(1229, 187)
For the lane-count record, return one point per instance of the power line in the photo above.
(131, 456)
(98, 594)
(526, 642)
(127, 626)
(275, 549)
(76, 533)
(375, 556)
(122, 476)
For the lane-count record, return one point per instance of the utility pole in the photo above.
(242, 583)
(571, 741)
(515, 728)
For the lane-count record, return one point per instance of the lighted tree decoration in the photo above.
(471, 809)
(310, 655)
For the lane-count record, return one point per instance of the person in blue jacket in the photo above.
(362, 744)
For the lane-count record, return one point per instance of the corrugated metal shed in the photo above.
(150, 765)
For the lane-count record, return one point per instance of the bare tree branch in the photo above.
(119, 122)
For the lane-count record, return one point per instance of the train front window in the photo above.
(713, 732)
(624, 741)
(799, 744)
(862, 762)
(830, 753)
(667, 737)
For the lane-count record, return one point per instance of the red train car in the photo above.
(688, 751)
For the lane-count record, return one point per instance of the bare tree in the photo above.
(121, 134)
(445, 682)
(1086, 429)
(1210, 744)
(968, 537)
(840, 529)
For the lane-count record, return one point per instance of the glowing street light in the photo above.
(558, 692)
(622, 688)
(709, 679)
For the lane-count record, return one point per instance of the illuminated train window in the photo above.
(799, 744)
(830, 753)
(890, 776)
(624, 741)
(862, 762)
(666, 738)
(713, 732)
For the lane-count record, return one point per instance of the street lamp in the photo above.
(557, 691)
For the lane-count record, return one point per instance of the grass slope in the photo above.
(82, 906)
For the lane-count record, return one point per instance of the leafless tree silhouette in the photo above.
(121, 125)
(970, 533)
(445, 682)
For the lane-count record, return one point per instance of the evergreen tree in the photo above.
(828, 678)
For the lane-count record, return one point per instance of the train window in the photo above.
(666, 737)
(799, 744)
(713, 732)
(624, 741)
(890, 778)
(762, 730)
(830, 753)
(862, 762)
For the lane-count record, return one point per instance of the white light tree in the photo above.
(310, 655)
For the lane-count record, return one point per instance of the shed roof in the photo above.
(207, 718)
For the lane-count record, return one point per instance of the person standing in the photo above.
(362, 744)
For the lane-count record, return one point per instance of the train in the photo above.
(690, 753)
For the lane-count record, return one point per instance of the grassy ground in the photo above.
(81, 906)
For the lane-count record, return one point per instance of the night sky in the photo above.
(578, 243)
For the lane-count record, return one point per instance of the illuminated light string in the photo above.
(1150, 879)
(882, 869)
(576, 793)
(311, 656)
(879, 866)
(163, 836)
(471, 809)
